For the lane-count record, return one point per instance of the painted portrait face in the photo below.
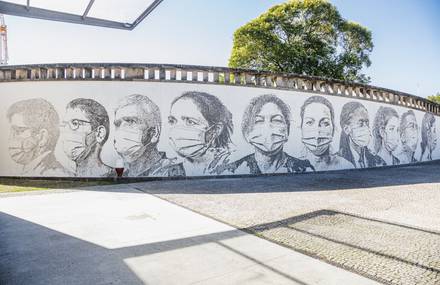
(129, 132)
(390, 134)
(189, 132)
(23, 143)
(410, 133)
(77, 134)
(317, 128)
(432, 137)
(358, 127)
(269, 131)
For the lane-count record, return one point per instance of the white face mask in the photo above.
(128, 143)
(24, 150)
(391, 141)
(317, 141)
(77, 146)
(189, 142)
(268, 140)
(361, 136)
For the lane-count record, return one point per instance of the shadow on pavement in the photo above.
(324, 181)
(320, 181)
(34, 254)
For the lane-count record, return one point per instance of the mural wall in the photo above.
(87, 128)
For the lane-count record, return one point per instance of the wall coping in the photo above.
(212, 75)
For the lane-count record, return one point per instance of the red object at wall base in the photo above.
(119, 171)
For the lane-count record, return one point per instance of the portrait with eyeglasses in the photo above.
(85, 129)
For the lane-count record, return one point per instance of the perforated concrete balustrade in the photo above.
(214, 75)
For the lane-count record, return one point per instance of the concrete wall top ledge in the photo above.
(213, 75)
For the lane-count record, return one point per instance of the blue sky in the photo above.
(406, 34)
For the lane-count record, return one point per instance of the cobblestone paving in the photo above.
(385, 252)
(383, 224)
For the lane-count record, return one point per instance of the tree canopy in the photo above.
(307, 37)
(435, 98)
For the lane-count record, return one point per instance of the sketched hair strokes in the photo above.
(429, 138)
(319, 100)
(95, 112)
(34, 135)
(254, 108)
(86, 129)
(356, 136)
(386, 134)
(200, 130)
(146, 115)
(137, 132)
(214, 112)
(266, 126)
(409, 136)
(317, 128)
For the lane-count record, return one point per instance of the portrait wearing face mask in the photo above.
(387, 135)
(428, 137)
(23, 145)
(199, 129)
(129, 143)
(190, 134)
(78, 145)
(132, 135)
(268, 139)
(78, 139)
(317, 130)
(137, 128)
(391, 134)
(269, 131)
(410, 137)
(84, 131)
(356, 136)
(360, 136)
(190, 142)
(317, 140)
(34, 132)
(266, 125)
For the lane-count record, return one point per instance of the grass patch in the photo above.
(8, 185)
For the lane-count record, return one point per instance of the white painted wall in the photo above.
(234, 98)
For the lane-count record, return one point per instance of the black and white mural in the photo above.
(137, 131)
(266, 127)
(160, 129)
(356, 136)
(200, 128)
(84, 129)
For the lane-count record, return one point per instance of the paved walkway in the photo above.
(381, 223)
(118, 235)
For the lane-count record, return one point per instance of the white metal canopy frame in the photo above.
(116, 14)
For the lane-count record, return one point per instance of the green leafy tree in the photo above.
(435, 98)
(305, 37)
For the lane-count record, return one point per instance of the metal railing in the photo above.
(213, 75)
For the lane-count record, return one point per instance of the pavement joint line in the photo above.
(367, 250)
(257, 263)
(410, 227)
(248, 231)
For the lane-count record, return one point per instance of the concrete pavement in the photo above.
(119, 235)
